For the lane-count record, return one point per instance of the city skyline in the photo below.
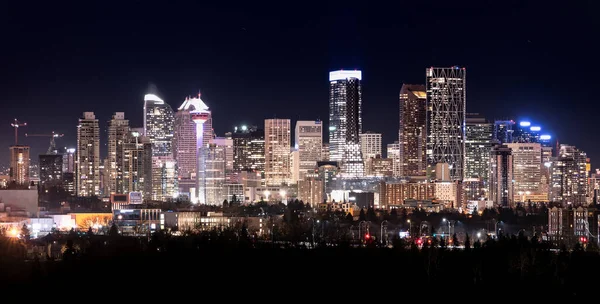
(516, 68)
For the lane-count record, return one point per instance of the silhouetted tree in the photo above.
(114, 230)
(467, 242)
(90, 232)
(25, 233)
(362, 216)
(394, 216)
(225, 204)
(371, 216)
(349, 218)
(455, 241)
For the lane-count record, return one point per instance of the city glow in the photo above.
(535, 129)
(14, 232)
(545, 137)
(343, 75)
(282, 193)
(244, 128)
(524, 124)
(152, 97)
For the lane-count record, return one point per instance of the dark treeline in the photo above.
(508, 268)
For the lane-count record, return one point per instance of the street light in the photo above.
(409, 228)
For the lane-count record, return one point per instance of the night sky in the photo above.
(535, 61)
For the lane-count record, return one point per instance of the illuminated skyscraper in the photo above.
(200, 116)
(19, 164)
(248, 149)
(370, 145)
(569, 176)
(478, 144)
(51, 170)
(214, 175)
(345, 122)
(137, 164)
(393, 152)
(158, 128)
(277, 151)
(503, 131)
(88, 156)
(412, 136)
(446, 103)
(118, 130)
(527, 172)
(527, 133)
(309, 143)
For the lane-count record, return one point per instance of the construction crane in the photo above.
(52, 148)
(16, 124)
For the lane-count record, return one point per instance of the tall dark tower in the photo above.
(412, 136)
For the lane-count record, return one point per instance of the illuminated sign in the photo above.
(343, 75)
(545, 137)
(535, 129)
(524, 124)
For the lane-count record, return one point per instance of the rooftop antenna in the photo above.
(16, 124)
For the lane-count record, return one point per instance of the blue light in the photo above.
(535, 129)
(524, 124)
(545, 137)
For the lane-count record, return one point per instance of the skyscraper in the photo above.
(158, 128)
(309, 143)
(501, 176)
(51, 166)
(393, 152)
(345, 122)
(412, 136)
(277, 151)
(248, 149)
(569, 176)
(478, 144)
(194, 111)
(19, 164)
(527, 171)
(370, 145)
(214, 175)
(118, 130)
(446, 103)
(88, 155)
(503, 131)
(137, 164)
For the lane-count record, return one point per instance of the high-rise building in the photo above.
(345, 122)
(215, 174)
(370, 145)
(193, 119)
(309, 144)
(503, 131)
(527, 133)
(227, 143)
(277, 151)
(185, 147)
(501, 176)
(159, 129)
(478, 144)
(310, 190)
(325, 152)
(248, 149)
(19, 164)
(446, 104)
(137, 164)
(51, 166)
(569, 176)
(393, 152)
(527, 170)
(412, 136)
(88, 156)
(69, 161)
(118, 130)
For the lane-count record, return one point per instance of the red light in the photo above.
(419, 241)
(367, 236)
